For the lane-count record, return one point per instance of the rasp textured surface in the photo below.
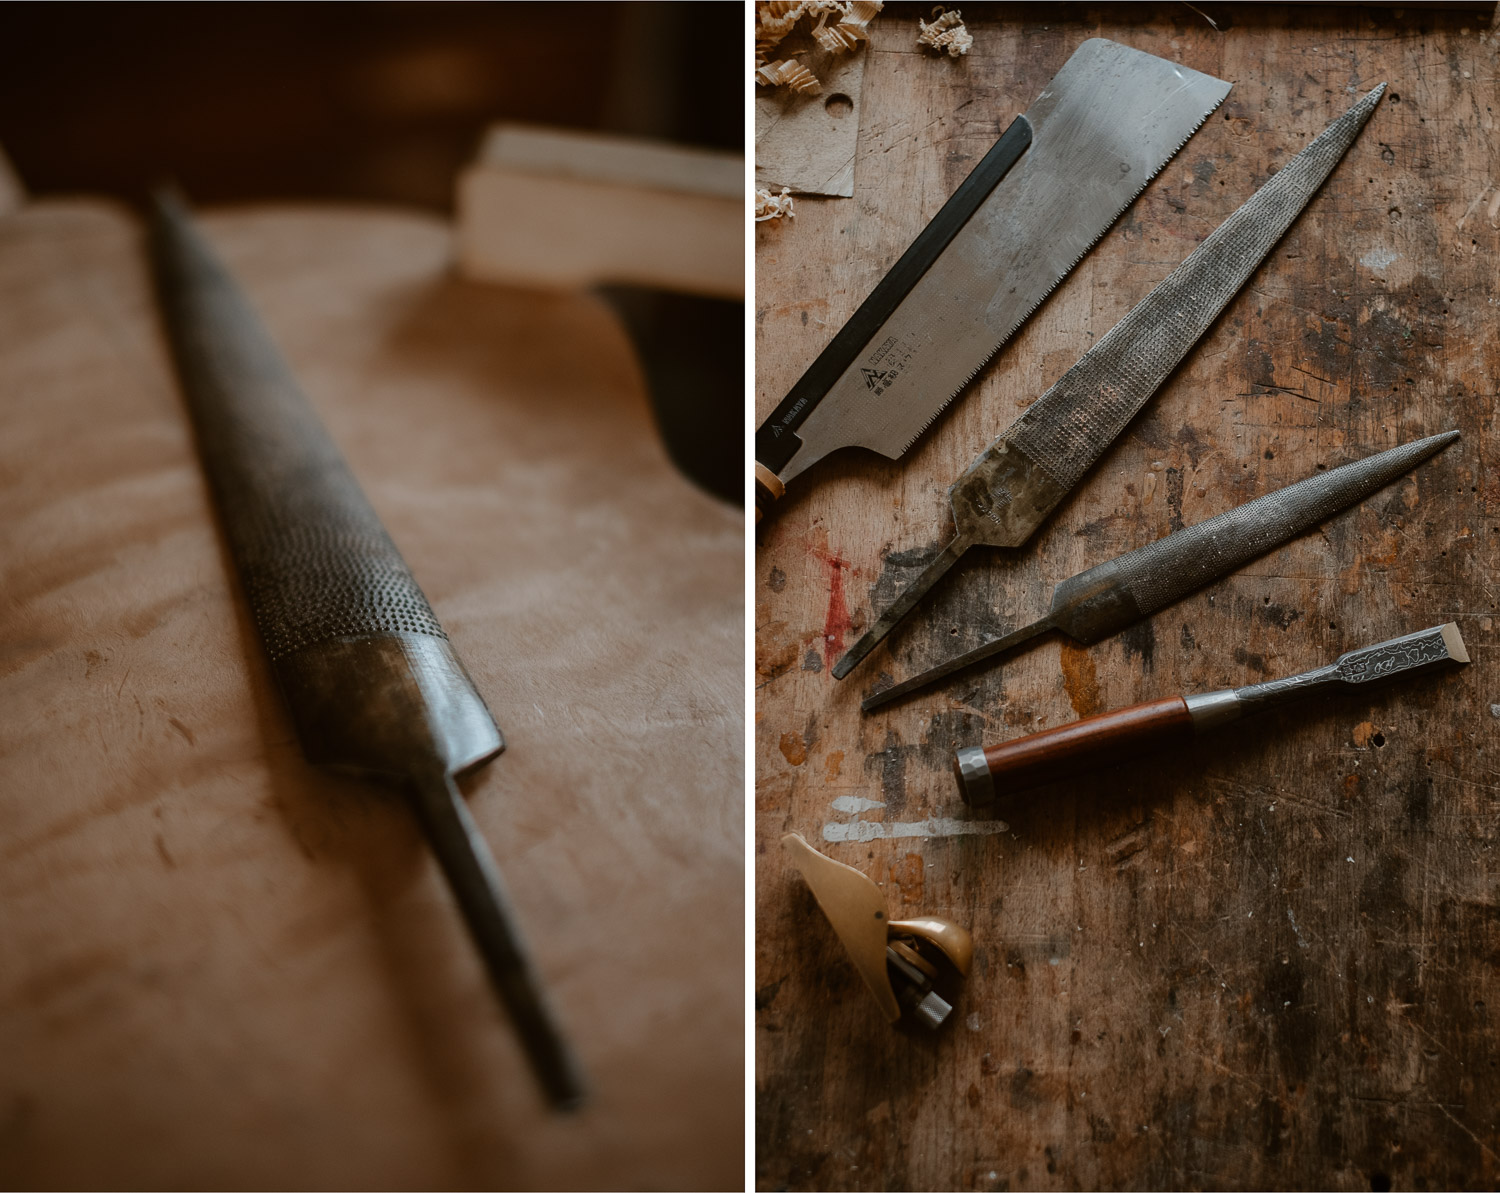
(1070, 425)
(317, 564)
(1167, 570)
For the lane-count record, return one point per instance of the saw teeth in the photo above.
(1031, 310)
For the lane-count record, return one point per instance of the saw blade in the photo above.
(1105, 125)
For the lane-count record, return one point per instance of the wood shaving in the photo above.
(765, 46)
(837, 39)
(773, 207)
(861, 13)
(789, 73)
(946, 34)
(775, 19)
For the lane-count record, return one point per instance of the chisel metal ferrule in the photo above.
(1209, 710)
(975, 783)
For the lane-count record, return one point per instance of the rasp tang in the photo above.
(1019, 479)
(370, 679)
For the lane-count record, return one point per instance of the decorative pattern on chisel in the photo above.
(1408, 654)
(1167, 570)
(1069, 427)
(1404, 654)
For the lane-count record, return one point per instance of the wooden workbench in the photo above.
(1273, 960)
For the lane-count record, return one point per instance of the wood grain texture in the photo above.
(1272, 960)
(224, 969)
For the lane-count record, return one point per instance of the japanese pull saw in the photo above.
(1022, 476)
(371, 681)
(1050, 187)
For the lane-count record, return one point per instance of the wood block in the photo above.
(561, 209)
(806, 142)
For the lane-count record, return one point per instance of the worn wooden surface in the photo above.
(1271, 961)
(220, 968)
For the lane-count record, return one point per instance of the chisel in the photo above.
(1022, 476)
(372, 683)
(986, 772)
(1092, 605)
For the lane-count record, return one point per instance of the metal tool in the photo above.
(1052, 185)
(983, 771)
(1105, 599)
(898, 959)
(372, 683)
(1011, 488)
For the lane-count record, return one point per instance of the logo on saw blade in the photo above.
(875, 379)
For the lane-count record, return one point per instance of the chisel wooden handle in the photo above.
(985, 772)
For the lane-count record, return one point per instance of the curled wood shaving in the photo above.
(836, 39)
(773, 207)
(861, 13)
(789, 73)
(765, 46)
(947, 33)
(774, 19)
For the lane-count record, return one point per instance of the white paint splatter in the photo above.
(1291, 919)
(855, 804)
(972, 1022)
(1379, 259)
(875, 830)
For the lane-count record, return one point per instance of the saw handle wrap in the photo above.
(768, 488)
(1084, 745)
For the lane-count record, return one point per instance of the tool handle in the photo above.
(477, 887)
(768, 488)
(1071, 749)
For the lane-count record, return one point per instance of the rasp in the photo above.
(986, 772)
(371, 681)
(1092, 605)
(1017, 481)
(1050, 187)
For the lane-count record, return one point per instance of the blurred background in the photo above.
(356, 101)
(386, 103)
